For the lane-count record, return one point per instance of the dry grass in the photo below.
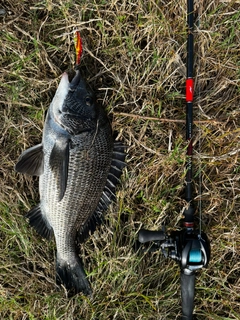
(134, 54)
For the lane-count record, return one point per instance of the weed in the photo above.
(134, 54)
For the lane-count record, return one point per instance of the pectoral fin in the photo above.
(31, 161)
(59, 160)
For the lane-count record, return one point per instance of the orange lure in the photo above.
(78, 47)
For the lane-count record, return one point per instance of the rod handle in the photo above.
(148, 236)
(187, 294)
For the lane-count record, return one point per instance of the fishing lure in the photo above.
(78, 47)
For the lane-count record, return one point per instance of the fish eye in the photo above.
(88, 101)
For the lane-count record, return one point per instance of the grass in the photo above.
(134, 56)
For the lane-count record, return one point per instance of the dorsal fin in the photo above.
(108, 195)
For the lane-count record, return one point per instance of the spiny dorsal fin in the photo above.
(108, 195)
(31, 161)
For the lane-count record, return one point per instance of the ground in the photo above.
(134, 57)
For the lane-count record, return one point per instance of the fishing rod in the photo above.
(189, 247)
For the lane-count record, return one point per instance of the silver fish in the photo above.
(79, 165)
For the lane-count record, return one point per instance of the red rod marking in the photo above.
(189, 90)
(189, 224)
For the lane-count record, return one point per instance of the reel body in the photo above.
(189, 248)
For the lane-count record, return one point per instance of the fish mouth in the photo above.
(69, 97)
(59, 97)
(65, 86)
(75, 81)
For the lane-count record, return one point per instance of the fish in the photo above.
(79, 165)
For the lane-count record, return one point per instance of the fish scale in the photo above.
(82, 193)
(81, 183)
(79, 165)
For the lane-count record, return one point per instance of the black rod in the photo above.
(188, 220)
(190, 54)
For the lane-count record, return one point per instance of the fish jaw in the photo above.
(59, 97)
(80, 111)
(74, 107)
(80, 101)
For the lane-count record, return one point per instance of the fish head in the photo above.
(74, 105)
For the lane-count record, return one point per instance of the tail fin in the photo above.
(72, 276)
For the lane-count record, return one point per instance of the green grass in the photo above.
(134, 56)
